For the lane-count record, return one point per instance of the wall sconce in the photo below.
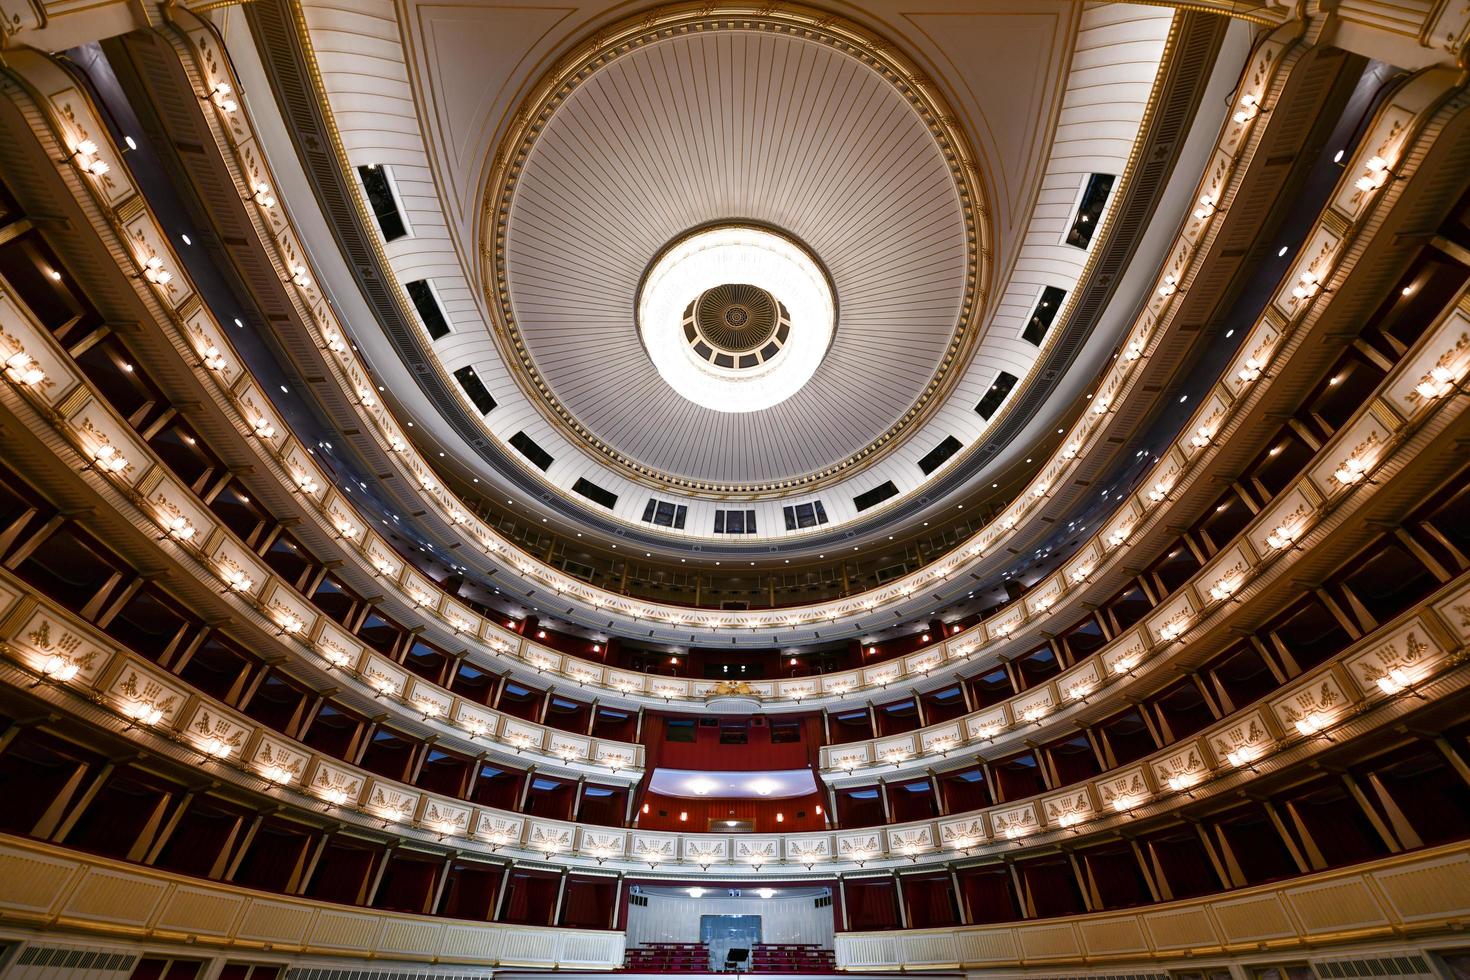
(1250, 108)
(220, 94)
(22, 369)
(86, 159)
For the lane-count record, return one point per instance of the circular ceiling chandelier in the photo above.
(736, 318)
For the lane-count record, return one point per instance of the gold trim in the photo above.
(1250, 11)
(687, 19)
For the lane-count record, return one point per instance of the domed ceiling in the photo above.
(775, 123)
(927, 165)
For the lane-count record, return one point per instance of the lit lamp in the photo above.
(1250, 107)
(1440, 381)
(22, 369)
(1282, 536)
(1351, 471)
(216, 748)
(107, 459)
(1313, 723)
(220, 93)
(1243, 756)
(143, 713)
(87, 161)
(1395, 680)
(236, 580)
(59, 669)
(1375, 175)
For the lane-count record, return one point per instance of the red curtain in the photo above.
(871, 904)
(930, 900)
(531, 899)
(588, 903)
(989, 894)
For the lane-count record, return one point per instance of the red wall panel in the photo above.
(701, 811)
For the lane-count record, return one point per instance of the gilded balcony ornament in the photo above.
(734, 696)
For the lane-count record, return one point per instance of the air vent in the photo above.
(1089, 211)
(1378, 966)
(940, 454)
(734, 522)
(382, 197)
(804, 515)
(1043, 315)
(478, 394)
(598, 495)
(663, 513)
(74, 960)
(527, 447)
(875, 496)
(426, 301)
(999, 389)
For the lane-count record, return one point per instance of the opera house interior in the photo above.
(943, 488)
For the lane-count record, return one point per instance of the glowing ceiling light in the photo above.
(722, 256)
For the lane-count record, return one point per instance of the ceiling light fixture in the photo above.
(722, 256)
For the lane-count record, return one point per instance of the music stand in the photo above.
(734, 958)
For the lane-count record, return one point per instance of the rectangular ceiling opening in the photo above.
(475, 389)
(663, 513)
(940, 454)
(804, 515)
(1089, 211)
(527, 447)
(595, 493)
(999, 389)
(875, 496)
(734, 522)
(426, 302)
(382, 195)
(1042, 317)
